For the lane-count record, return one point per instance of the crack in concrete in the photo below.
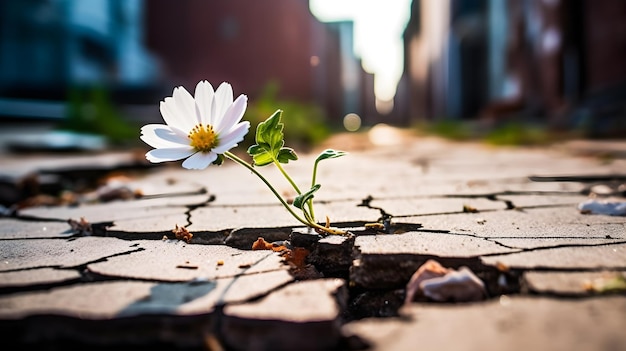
(385, 217)
(85, 275)
(366, 202)
(191, 208)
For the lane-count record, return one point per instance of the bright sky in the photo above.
(378, 27)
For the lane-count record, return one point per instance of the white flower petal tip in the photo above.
(198, 128)
(199, 160)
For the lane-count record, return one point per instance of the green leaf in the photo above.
(260, 155)
(329, 153)
(270, 131)
(269, 145)
(286, 154)
(302, 199)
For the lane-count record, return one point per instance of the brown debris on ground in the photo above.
(182, 233)
(261, 244)
(81, 227)
(295, 258)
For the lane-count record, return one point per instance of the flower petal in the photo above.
(204, 99)
(200, 160)
(169, 154)
(233, 115)
(173, 117)
(234, 136)
(222, 100)
(162, 136)
(186, 105)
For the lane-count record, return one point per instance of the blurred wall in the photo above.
(46, 46)
(139, 50)
(252, 43)
(557, 61)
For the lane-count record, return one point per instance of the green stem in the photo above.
(280, 198)
(313, 179)
(282, 170)
(322, 228)
(295, 187)
(314, 173)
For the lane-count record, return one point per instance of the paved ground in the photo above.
(554, 277)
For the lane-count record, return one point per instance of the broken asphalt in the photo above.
(105, 269)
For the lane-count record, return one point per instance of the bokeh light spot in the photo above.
(352, 122)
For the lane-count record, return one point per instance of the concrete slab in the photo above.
(37, 276)
(544, 200)
(118, 299)
(537, 243)
(146, 228)
(175, 261)
(388, 261)
(558, 222)
(569, 283)
(509, 323)
(62, 253)
(407, 207)
(11, 228)
(303, 316)
(427, 244)
(147, 291)
(608, 256)
(214, 218)
(105, 212)
(171, 200)
(157, 184)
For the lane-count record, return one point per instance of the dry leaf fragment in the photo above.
(182, 233)
(502, 267)
(261, 244)
(296, 256)
(220, 262)
(469, 209)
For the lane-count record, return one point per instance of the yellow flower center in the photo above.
(203, 138)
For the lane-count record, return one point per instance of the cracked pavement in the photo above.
(509, 214)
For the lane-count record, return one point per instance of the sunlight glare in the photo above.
(378, 28)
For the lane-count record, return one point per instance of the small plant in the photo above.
(203, 128)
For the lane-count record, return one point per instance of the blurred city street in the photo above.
(480, 203)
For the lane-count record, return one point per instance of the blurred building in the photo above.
(555, 60)
(46, 47)
(253, 43)
(139, 50)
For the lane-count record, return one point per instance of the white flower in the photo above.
(198, 129)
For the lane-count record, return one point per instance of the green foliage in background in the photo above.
(515, 133)
(91, 111)
(512, 133)
(306, 121)
(453, 130)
